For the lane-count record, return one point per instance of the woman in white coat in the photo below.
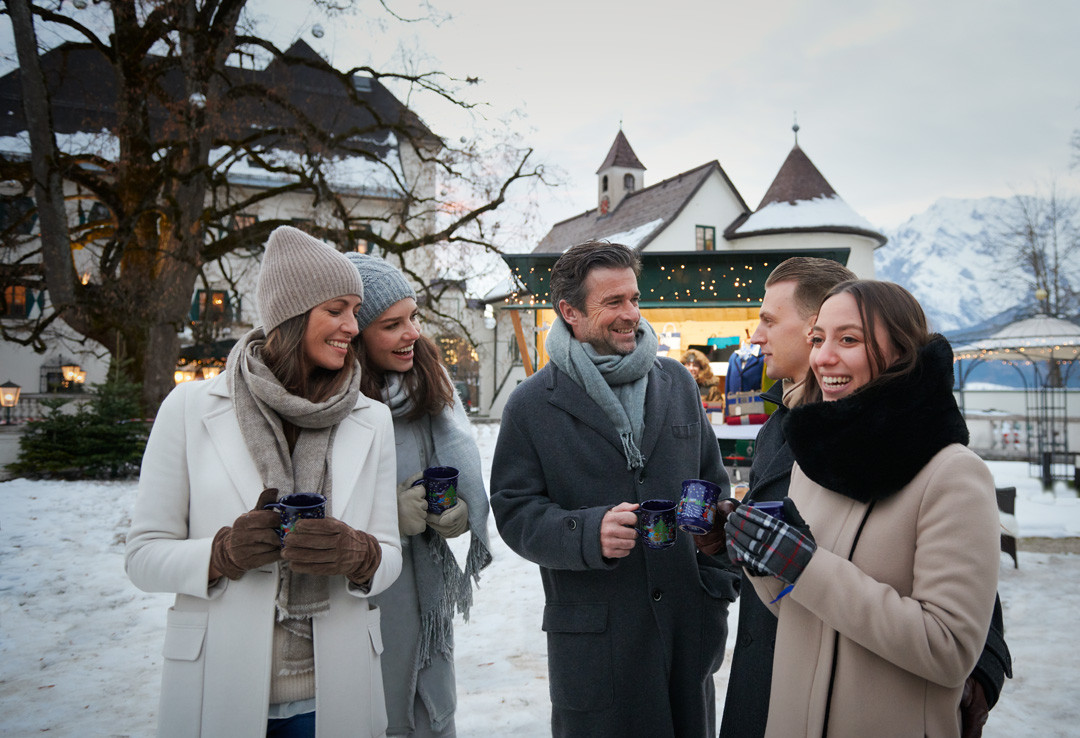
(256, 627)
(401, 367)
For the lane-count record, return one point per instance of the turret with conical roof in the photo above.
(800, 202)
(620, 174)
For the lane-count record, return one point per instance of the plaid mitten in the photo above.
(765, 545)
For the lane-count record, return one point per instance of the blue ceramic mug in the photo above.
(697, 506)
(657, 524)
(441, 485)
(774, 508)
(295, 507)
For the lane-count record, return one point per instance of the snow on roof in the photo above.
(821, 212)
(354, 173)
(633, 237)
(102, 143)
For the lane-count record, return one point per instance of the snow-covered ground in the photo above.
(80, 647)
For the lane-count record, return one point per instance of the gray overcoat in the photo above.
(633, 643)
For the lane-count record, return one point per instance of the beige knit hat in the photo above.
(299, 272)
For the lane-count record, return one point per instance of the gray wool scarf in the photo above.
(261, 404)
(616, 383)
(440, 584)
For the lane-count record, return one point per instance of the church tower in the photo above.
(619, 175)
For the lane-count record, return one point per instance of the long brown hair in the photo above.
(698, 359)
(898, 312)
(426, 384)
(284, 355)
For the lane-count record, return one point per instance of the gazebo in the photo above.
(1050, 347)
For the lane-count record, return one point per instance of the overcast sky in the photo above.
(899, 103)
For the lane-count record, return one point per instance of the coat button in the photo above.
(571, 524)
(657, 595)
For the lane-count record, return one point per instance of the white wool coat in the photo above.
(198, 476)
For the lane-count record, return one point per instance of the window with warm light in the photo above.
(15, 303)
(705, 238)
(242, 220)
(212, 306)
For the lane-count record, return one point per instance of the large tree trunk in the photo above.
(60, 274)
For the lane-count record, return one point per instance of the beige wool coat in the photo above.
(905, 618)
(198, 476)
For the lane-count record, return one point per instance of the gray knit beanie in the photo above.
(384, 285)
(299, 272)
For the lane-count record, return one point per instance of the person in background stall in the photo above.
(401, 368)
(709, 385)
(265, 638)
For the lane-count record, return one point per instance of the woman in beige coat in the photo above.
(265, 638)
(884, 574)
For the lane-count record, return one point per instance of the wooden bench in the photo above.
(1006, 502)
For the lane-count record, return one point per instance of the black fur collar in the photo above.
(869, 445)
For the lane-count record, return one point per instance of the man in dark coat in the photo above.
(634, 635)
(793, 293)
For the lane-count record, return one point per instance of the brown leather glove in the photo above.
(252, 540)
(712, 542)
(328, 546)
(974, 710)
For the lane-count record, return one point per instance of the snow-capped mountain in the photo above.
(945, 257)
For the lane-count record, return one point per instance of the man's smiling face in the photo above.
(610, 320)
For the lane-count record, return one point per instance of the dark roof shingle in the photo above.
(621, 155)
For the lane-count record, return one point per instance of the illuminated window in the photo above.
(705, 238)
(242, 220)
(16, 304)
(213, 306)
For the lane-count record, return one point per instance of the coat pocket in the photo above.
(579, 656)
(375, 630)
(685, 430)
(185, 634)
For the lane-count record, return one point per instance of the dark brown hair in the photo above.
(426, 384)
(813, 278)
(572, 268)
(898, 312)
(284, 355)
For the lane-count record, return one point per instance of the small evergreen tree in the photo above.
(103, 439)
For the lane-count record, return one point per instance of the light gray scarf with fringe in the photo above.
(261, 403)
(441, 586)
(615, 382)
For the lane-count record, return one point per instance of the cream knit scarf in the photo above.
(261, 403)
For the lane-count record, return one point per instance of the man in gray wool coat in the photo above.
(634, 635)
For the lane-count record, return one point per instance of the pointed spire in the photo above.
(798, 179)
(795, 127)
(621, 155)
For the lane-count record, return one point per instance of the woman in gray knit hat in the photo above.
(270, 631)
(401, 367)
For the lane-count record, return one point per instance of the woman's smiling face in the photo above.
(388, 341)
(331, 326)
(839, 356)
